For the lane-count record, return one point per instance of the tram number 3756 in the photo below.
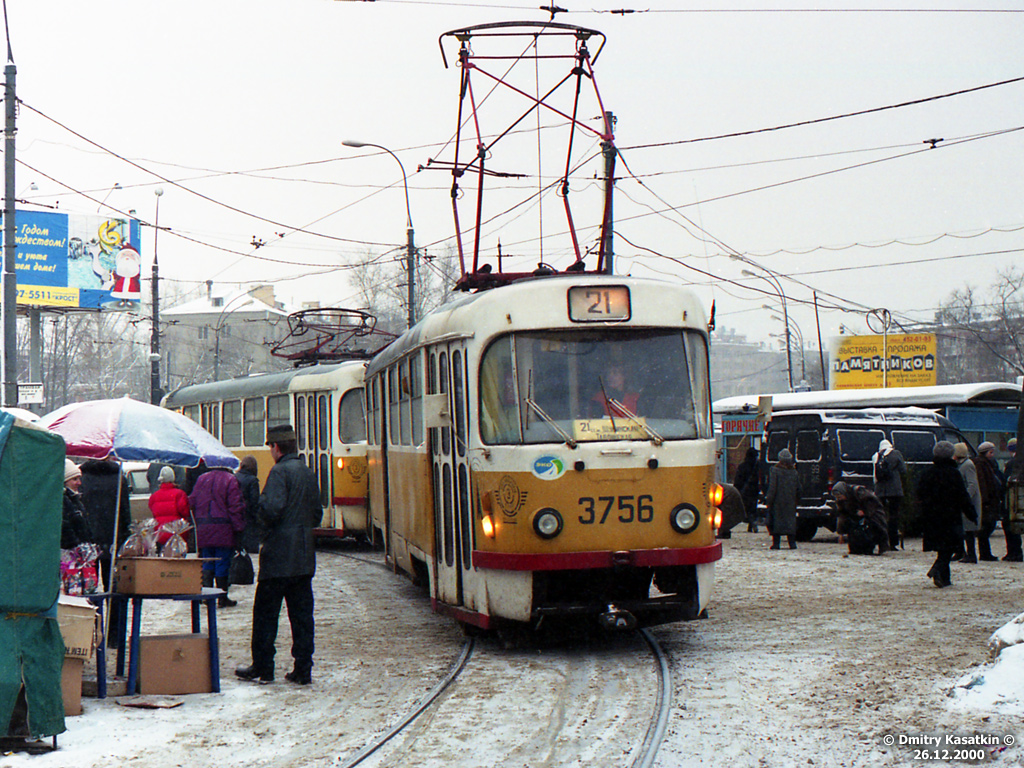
(638, 509)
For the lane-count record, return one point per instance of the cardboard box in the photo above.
(160, 575)
(77, 619)
(174, 664)
(71, 685)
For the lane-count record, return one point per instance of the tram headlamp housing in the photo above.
(684, 518)
(547, 523)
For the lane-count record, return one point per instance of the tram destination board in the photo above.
(598, 303)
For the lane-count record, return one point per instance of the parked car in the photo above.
(838, 444)
(138, 488)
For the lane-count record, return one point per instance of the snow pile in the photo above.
(999, 685)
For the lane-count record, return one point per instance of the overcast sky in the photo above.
(237, 110)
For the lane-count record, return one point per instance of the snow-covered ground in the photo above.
(809, 658)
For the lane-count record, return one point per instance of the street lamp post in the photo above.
(155, 392)
(219, 327)
(799, 338)
(773, 281)
(410, 247)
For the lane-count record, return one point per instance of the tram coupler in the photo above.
(616, 619)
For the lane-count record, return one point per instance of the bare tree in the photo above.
(982, 335)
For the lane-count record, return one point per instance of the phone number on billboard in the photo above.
(48, 295)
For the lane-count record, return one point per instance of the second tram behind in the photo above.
(325, 405)
(545, 449)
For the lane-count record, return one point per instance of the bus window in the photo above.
(351, 422)
(808, 445)
(776, 442)
(254, 432)
(232, 424)
(916, 447)
(859, 444)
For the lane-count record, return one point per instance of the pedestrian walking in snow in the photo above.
(943, 504)
(781, 498)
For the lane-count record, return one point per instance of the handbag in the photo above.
(241, 571)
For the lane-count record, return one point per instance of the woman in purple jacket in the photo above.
(219, 513)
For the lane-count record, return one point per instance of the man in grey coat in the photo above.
(782, 498)
(289, 510)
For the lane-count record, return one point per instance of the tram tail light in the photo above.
(487, 522)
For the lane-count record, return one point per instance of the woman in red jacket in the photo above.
(168, 503)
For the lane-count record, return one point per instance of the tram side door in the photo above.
(452, 509)
(313, 438)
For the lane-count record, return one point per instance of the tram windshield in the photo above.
(573, 386)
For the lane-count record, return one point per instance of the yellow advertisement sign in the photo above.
(908, 360)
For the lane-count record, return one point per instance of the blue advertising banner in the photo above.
(72, 260)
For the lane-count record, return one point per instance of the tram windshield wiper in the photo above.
(630, 416)
(551, 422)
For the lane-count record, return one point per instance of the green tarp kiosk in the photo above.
(31, 648)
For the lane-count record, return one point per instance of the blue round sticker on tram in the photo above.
(548, 468)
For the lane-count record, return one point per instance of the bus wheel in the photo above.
(805, 530)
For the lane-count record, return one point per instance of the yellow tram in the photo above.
(545, 448)
(325, 405)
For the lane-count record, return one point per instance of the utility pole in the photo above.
(9, 310)
(155, 393)
(608, 226)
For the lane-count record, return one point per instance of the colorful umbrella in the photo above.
(128, 430)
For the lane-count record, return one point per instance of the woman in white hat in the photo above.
(74, 529)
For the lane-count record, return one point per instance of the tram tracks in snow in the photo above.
(574, 713)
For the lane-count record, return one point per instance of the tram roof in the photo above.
(489, 308)
(248, 386)
(991, 394)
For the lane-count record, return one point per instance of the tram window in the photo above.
(311, 425)
(373, 422)
(255, 431)
(498, 414)
(192, 412)
(459, 395)
(449, 522)
(232, 424)
(465, 519)
(351, 422)
(300, 422)
(404, 395)
(446, 432)
(325, 480)
(700, 388)
(416, 398)
(278, 411)
(808, 445)
(435, 445)
(214, 428)
(594, 384)
(323, 420)
(393, 393)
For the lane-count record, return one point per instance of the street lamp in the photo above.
(799, 338)
(410, 248)
(773, 281)
(219, 327)
(155, 392)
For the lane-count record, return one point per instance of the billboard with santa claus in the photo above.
(77, 260)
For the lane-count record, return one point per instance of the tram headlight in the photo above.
(684, 518)
(341, 463)
(487, 523)
(547, 523)
(715, 494)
